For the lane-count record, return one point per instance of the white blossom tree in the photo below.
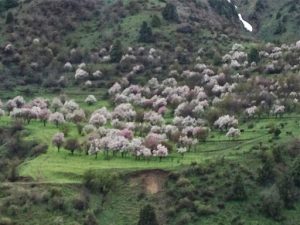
(90, 100)
(224, 122)
(233, 133)
(57, 118)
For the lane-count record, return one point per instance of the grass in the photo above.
(62, 167)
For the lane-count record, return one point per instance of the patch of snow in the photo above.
(245, 23)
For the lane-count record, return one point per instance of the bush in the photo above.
(266, 173)
(185, 203)
(13, 173)
(5, 221)
(147, 216)
(72, 144)
(204, 210)
(253, 55)
(90, 219)
(170, 13)
(101, 182)
(238, 191)
(295, 171)
(155, 21)
(80, 202)
(184, 219)
(287, 190)
(224, 8)
(39, 149)
(145, 34)
(58, 203)
(272, 204)
(116, 52)
(9, 18)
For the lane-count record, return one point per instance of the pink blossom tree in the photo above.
(161, 152)
(58, 140)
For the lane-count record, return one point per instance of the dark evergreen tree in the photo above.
(155, 22)
(238, 191)
(253, 55)
(170, 13)
(9, 18)
(266, 173)
(277, 154)
(10, 4)
(116, 52)
(295, 171)
(145, 34)
(147, 216)
(272, 204)
(287, 190)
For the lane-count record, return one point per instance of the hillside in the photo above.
(133, 112)
(273, 20)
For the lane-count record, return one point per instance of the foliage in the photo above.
(116, 52)
(102, 182)
(170, 13)
(147, 216)
(145, 33)
(295, 171)
(9, 18)
(224, 8)
(155, 21)
(272, 204)
(238, 191)
(253, 55)
(71, 145)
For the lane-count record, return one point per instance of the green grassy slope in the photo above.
(62, 167)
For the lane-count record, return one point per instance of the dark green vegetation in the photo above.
(274, 20)
(249, 180)
(260, 188)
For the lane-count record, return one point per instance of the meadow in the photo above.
(62, 167)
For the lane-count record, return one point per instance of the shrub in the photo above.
(5, 221)
(295, 171)
(39, 149)
(13, 173)
(277, 154)
(170, 13)
(9, 18)
(72, 145)
(224, 8)
(266, 173)
(58, 203)
(80, 202)
(184, 219)
(287, 190)
(155, 21)
(90, 219)
(238, 191)
(147, 216)
(253, 55)
(101, 182)
(116, 52)
(145, 34)
(185, 203)
(204, 210)
(272, 204)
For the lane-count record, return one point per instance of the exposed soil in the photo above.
(152, 181)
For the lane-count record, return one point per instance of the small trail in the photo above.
(30, 183)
